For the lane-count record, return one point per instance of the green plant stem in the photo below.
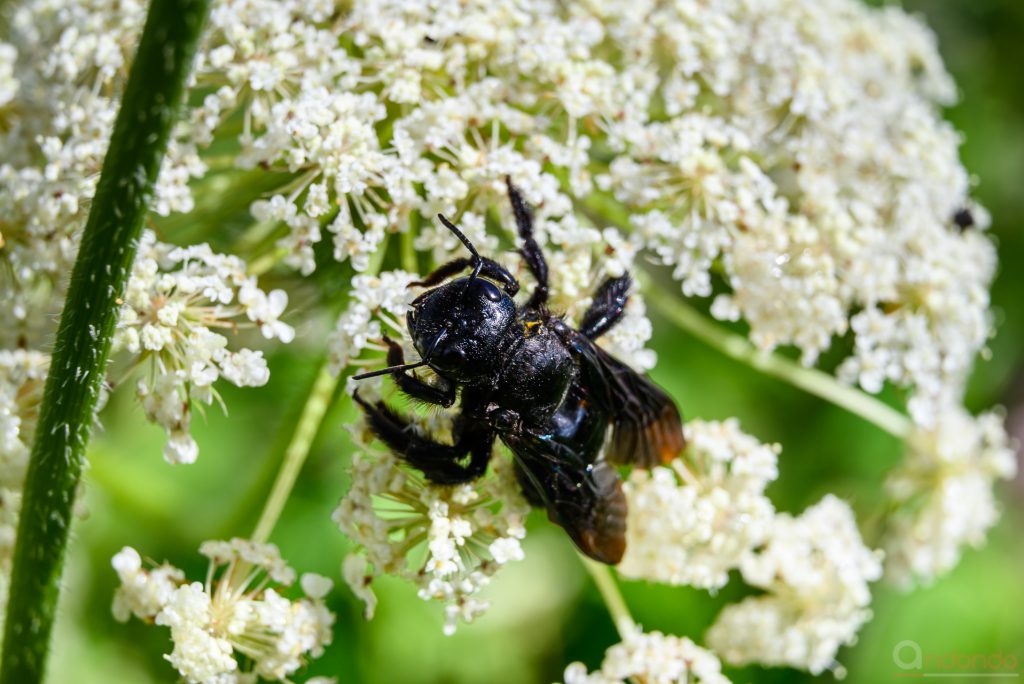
(808, 379)
(152, 97)
(409, 250)
(609, 591)
(264, 263)
(313, 412)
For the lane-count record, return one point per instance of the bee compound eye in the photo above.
(489, 291)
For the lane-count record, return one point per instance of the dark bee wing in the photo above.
(585, 499)
(646, 427)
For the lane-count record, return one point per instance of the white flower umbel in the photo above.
(71, 61)
(942, 496)
(815, 569)
(692, 521)
(448, 540)
(22, 374)
(238, 616)
(797, 143)
(176, 299)
(653, 658)
(786, 158)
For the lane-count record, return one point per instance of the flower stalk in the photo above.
(306, 429)
(152, 98)
(313, 412)
(609, 590)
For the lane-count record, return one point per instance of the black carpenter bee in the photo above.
(963, 218)
(545, 389)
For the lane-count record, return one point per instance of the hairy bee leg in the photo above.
(609, 304)
(443, 272)
(489, 268)
(438, 462)
(531, 252)
(442, 395)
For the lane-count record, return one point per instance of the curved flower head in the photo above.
(784, 160)
(176, 299)
(794, 148)
(815, 570)
(942, 496)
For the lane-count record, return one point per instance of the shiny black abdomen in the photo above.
(541, 382)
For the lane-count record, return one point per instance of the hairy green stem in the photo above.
(313, 413)
(810, 380)
(152, 98)
(609, 591)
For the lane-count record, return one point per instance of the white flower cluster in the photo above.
(786, 158)
(692, 521)
(377, 308)
(448, 540)
(653, 658)
(70, 60)
(793, 147)
(238, 613)
(22, 375)
(815, 570)
(176, 298)
(804, 152)
(942, 494)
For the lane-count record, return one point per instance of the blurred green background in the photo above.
(545, 612)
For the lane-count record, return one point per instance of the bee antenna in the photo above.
(389, 369)
(462, 237)
(405, 366)
(478, 262)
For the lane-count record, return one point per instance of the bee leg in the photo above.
(442, 395)
(531, 252)
(438, 462)
(488, 267)
(443, 272)
(608, 307)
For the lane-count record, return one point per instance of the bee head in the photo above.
(458, 327)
